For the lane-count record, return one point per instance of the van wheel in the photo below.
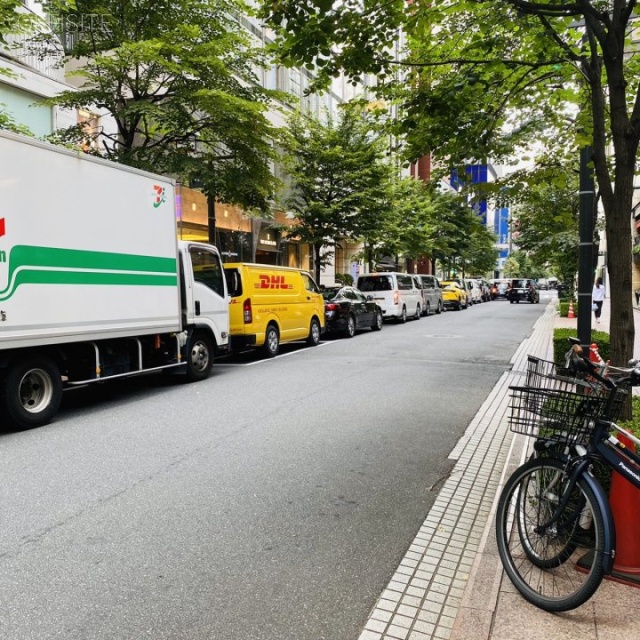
(403, 315)
(199, 356)
(350, 331)
(439, 308)
(314, 333)
(271, 344)
(427, 309)
(418, 313)
(32, 392)
(378, 322)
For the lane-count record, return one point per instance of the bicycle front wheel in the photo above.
(554, 556)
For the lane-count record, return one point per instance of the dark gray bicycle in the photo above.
(554, 526)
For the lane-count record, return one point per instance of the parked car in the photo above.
(346, 310)
(474, 290)
(453, 295)
(484, 288)
(432, 294)
(499, 288)
(398, 294)
(523, 289)
(463, 285)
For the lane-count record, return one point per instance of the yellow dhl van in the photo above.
(271, 305)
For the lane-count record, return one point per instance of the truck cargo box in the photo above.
(87, 247)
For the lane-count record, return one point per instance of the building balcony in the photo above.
(40, 51)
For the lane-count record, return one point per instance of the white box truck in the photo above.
(94, 284)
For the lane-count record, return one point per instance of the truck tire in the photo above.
(271, 345)
(199, 356)
(314, 333)
(31, 392)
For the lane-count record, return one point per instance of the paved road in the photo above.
(272, 501)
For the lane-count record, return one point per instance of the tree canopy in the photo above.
(484, 79)
(178, 79)
(339, 180)
(546, 220)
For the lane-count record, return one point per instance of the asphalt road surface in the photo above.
(270, 502)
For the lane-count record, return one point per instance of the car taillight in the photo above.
(247, 314)
(331, 307)
(396, 297)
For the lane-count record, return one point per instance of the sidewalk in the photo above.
(450, 584)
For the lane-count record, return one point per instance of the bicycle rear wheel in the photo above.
(555, 563)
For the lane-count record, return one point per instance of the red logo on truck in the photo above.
(2, 227)
(159, 196)
(273, 282)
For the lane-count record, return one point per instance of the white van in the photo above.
(398, 294)
(432, 294)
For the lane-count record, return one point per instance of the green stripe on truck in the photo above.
(50, 265)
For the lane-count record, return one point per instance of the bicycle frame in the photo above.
(580, 467)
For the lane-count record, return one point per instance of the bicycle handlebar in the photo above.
(576, 361)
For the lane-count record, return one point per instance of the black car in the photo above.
(524, 289)
(347, 309)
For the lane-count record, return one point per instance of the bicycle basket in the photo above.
(544, 374)
(554, 414)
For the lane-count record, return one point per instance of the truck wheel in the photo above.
(32, 392)
(199, 356)
(271, 344)
(314, 333)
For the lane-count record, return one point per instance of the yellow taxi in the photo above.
(453, 296)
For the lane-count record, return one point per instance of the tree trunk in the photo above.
(617, 197)
(316, 262)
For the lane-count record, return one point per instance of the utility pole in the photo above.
(211, 218)
(585, 254)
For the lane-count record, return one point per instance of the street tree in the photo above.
(480, 79)
(409, 224)
(339, 180)
(546, 215)
(178, 80)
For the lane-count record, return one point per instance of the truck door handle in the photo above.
(197, 307)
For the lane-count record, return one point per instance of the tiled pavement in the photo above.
(424, 597)
(450, 584)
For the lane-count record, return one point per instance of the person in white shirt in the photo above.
(597, 297)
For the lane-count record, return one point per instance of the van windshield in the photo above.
(375, 283)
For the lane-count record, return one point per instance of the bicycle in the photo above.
(554, 526)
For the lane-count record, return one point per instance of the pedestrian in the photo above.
(597, 298)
